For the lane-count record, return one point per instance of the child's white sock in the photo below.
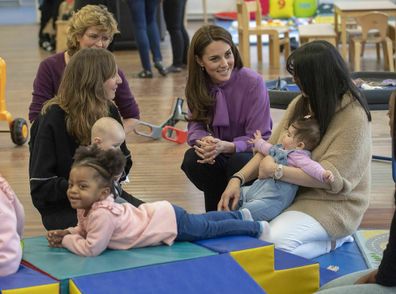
(265, 231)
(246, 215)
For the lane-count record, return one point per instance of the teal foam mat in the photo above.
(62, 264)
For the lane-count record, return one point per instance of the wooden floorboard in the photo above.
(156, 171)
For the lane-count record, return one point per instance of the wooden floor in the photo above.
(156, 171)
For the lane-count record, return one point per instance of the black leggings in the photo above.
(174, 11)
(49, 9)
(212, 179)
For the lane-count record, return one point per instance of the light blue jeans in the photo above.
(267, 198)
(345, 285)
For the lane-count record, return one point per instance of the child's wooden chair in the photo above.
(244, 31)
(372, 21)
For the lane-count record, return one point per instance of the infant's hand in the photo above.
(328, 177)
(257, 137)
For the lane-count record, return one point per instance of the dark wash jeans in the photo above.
(192, 227)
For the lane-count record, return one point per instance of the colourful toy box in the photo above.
(305, 8)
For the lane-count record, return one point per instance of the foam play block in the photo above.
(26, 280)
(302, 275)
(63, 265)
(282, 260)
(231, 243)
(212, 274)
(344, 260)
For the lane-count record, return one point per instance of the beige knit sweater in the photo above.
(345, 149)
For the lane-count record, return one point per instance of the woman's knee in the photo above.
(290, 229)
(189, 164)
(284, 242)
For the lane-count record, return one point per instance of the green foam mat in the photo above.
(62, 264)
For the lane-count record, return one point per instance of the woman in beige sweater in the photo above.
(323, 216)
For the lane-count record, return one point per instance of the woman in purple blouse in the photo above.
(227, 104)
(93, 26)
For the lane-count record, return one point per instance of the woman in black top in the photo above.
(85, 94)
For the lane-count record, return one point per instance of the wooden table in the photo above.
(345, 9)
(317, 31)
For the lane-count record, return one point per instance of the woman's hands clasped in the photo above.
(208, 148)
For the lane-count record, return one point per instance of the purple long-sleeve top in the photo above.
(47, 81)
(242, 106)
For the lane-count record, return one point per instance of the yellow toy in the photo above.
(18, 127)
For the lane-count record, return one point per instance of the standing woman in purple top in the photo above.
(227, 104)
(93, 26)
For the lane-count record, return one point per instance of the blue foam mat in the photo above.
(212, 274)
(231, 243)
(24, 278)
(347, 258)
(283, 259)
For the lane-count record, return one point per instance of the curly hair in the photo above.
(108, 163)
(89, 16)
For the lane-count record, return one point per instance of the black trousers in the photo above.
(49, 9)
(213, 179)
(174, 11)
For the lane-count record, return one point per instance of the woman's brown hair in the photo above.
(81, 93)
(199, 100)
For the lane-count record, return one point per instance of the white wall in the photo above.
(195, 7)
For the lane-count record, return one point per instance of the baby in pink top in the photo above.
(103, 223)
(12, 219)
(267, 198)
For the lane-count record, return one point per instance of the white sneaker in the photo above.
(265, 231)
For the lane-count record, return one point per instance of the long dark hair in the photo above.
(199, 100)
(323, 77)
